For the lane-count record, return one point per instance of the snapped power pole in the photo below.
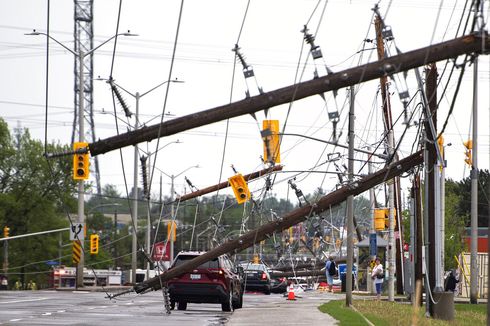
(473, 43)
(292, 218)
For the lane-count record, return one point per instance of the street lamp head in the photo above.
(34, 32)
(128, 33)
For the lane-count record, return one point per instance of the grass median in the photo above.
(391, 313)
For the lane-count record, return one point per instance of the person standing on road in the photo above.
(330, 271)
(378, 276)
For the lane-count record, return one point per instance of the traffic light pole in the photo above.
(81, 188)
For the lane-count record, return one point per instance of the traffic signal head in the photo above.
(172, 231)
(6, 231)
(80, 162)
(240, 188)
(94, 244)
(469, 146)
(270, 136)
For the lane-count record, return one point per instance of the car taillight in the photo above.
(264, 276)
(282, 279)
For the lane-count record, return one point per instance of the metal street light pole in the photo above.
(172, 191)
(137, 96)
(81, 56)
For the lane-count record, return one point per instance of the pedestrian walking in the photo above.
(330, 271)
(378, 276)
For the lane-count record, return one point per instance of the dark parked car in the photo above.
(257, 277)
(216, 281)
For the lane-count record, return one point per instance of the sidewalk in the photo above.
(302, 311)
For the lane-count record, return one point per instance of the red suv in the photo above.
(216, 281)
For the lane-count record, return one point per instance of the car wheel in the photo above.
(228, 305)
(182, 305)
(267, 291)
(238, 303)
(172, 305)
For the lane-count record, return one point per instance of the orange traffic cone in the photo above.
(291, 292)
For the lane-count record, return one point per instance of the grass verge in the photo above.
(392, 313)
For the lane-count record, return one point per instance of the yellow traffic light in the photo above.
(270, 136)
(240, 188)
(172, 231)
(379, 219)
(80, 162)
(94, 244)
(6, 231)
(382, 218)
(440, 142)
(469, 146)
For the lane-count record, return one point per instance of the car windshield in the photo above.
(253, 267)
(181, 259)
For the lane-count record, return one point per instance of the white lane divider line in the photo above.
(24, 300)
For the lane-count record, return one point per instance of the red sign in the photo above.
(161, 252)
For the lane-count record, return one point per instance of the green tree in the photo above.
(36, 194)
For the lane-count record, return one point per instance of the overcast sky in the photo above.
(271, 41)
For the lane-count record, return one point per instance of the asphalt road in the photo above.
(92, 308)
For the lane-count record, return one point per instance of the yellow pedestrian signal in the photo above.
(240, 188)
(469, 146)
(6, 231)
(80, 162)
(94, 244)
(172, 231)
(270, 136)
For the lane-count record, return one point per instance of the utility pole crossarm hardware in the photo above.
(292, 218)
(472, 43)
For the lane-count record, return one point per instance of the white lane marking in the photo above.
(47, 314)
(80, 292)
(15, 319)
(61, 310)
(25, 300)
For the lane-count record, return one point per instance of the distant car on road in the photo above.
(216, 281)
(257, 277)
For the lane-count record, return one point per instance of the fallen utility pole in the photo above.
(292, 218)
(472, 43)
(313, 272)
(225, 184)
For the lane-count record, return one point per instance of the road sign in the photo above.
(52, 262)
(373, 246)
(76, 251)
(161, 252)
(76, 231)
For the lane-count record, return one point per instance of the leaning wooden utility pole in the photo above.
(388, 123)
(431, 168)
(292, 218)
(450, 49)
